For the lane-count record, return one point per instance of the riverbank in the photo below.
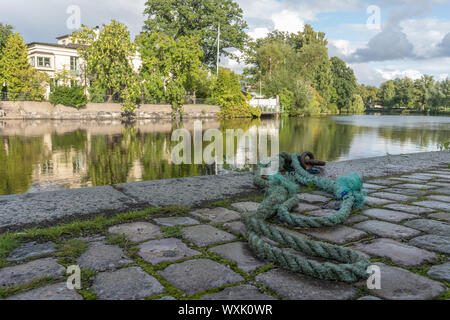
(26, 110)
(403, 229)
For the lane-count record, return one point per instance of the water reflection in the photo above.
(48, 155)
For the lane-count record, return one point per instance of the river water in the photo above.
(49, 155)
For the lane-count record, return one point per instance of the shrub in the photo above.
(68, 96)
(236, 106)
(286, 100)
(96, 94)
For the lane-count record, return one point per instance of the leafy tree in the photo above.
(344, 82)
(22, 80)
(357, 105)
(369, 94)
(199, 18)
(167, 65)
(387, 93)
(232, 102)
(5, 31)
(107, 54)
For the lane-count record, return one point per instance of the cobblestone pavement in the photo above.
(404, 228)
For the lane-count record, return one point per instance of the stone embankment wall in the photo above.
(26, 110)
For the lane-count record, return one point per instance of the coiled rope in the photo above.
(281, 198)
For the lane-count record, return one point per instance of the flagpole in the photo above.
(218, 49)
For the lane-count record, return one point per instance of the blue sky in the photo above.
(411, 40)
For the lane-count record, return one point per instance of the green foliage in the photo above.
(22, 80)
(286, 100)
(172, 231)
(107, 54)
(96, 93)
(68, 96)
(199, 18)
(6, 31)
(357, 105)
(227, 93)
(444, 146)
(167, 65)
(344, 83)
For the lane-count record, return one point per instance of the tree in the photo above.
(387, 94)
(21, 79)
(107, 54)
(5, 31)
(167, 65)
(200, 18)
(357, 105)
(344, 82)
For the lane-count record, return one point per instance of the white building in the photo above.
(63, 55)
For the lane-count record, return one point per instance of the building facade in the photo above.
(63, 56)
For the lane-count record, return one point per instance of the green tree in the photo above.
(167, 66)
(22, 80)
(357, 105)
(107, 54)
(344, 82)
(199, 18)
(5, 31)
(387, 94)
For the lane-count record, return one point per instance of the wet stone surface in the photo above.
(430, 226)
(175, 221)
(205, 235)
(216, 215)
(386, 229)
(388, 215)
(199, 275)
(137, 231)
(102, 257)
(157, 251)
(31, 250)
(240, 253)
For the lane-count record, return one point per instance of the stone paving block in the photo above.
(430, 226)
(392, 196)
(384, 182)
(137, 231)
(440, 198)
(419, 176)
(441, 216)
(445, 190)
(27, 272)
(103, 257)
(338, 234)
(373, 186)
(409, 192)
(216, 215)
(399, 253)
(204, 235)
(175, 221)
(242, 292)
(432, 242)
(434, 204)
(400, 284)
(354, 218)
(31, 250)
(415, 210)
(303, 207)
(237, 227)
(171, 249)
(376, 202)
(408, 180)
(126, 284)
(199, 275)
(313, 198)
(440, 272)
(440, 184)
(245, 206)
(57, 291)
(241, 253)
(436, 175)
(415, 186)
(34, 208)
(386, 229)
(295, 286)
(388, 215)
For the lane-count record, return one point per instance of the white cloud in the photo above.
(393, 74)
(258, 33)
(288, 21)
(443, 76)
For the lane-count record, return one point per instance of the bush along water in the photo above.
(68, 96)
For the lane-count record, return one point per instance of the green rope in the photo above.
(281, 198)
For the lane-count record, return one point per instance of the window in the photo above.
(33, 61)
(43, 62)
(74, 63)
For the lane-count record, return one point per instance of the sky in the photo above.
(379, 39)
